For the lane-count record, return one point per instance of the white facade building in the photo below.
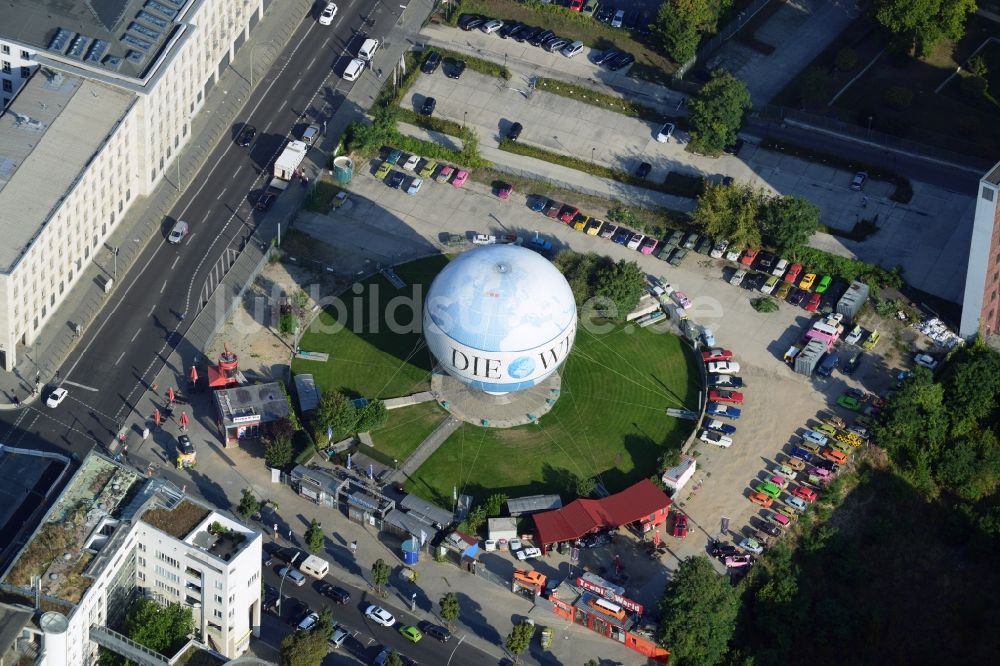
(127, 536)
(98, 100)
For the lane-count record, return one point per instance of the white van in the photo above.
(368, 50)
(354, 69)
(316, 567)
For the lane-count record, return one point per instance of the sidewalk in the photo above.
(142, 222)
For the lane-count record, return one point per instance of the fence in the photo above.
(709, 47)
(833, 123)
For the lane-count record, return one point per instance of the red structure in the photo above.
(224, 374)
(642, 503)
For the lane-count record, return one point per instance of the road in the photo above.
(367, 638)
(148, 313)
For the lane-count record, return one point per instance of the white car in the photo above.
(338, 637)
(414, 185)
(751, 545)
(380, 616)
(484, 239)
(734, 253)
(723, 367)
(925, 360)
(738, 277)
(619, 17)
(491, 26)
(56, 397)
(665, 133)
(327, 15)
(411, 162)
(854, 336)
(715, 438)
(769, 286)
(308, 622)
(719, 250)
(354, 69)
(636, 240)
(780, 268)
(681, 300)
(785, 471)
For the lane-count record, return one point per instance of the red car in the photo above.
(813, 303)
(568, 213)
(716, 354)
(808, 494)
(734, 397)
(749, 256)
(680, 529)
(576, 5)
(553, 210)
(792, 276)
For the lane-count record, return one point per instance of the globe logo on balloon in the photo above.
(521, 367)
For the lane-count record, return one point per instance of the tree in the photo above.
(162, 629)
(814, 87)
(717, 112)
(623, 284)
(494, 504)
(476, 519)
(324, 625)
(581, 270)
(680, 23)
(335, 412)
(519, 639)
(248, 505)
(278, 451)
(730, 212)
(394, 659)
(314, 537)
(303, 648)
(585, 487)
(380, 575)
(449, 608)
(698, 613)
(371, 416)
(789, 222)
(920, 24)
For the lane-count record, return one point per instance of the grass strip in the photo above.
(606, 101)
(485, 67)
(433, 123)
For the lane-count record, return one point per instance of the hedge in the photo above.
(824, 263)
(603, 100)
(486, 67)
(432, 123)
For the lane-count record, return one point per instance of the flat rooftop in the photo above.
(122, 36)
(48, 136)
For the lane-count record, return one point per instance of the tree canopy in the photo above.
(698, 614)
(519, 639)
(731, 212)
(621, 283)
(248, 504)
(920, 24)
(591, 275)
(314, 537)
(679, 25)
(449, 608)
(789, 222)
(304, 648)
(162, 629)
(717, 112)
(335, 412)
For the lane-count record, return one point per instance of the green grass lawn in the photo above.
(406, 428)
(367, 358)
(609, 422)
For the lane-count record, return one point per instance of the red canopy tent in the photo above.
(643, 502)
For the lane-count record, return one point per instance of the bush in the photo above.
(764, 304)
(605, 101)
(847, 59)
(286, 324)
(824, 263)
(432, 123)
(898, 97)
(486, 67)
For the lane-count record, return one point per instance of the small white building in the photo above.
(502, 530)
(676, 477)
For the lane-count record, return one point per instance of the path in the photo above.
(427, 447)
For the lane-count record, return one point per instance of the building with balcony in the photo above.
(98, 99)
(114, 536)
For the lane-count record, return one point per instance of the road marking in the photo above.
(162, 288)
(221, 193)
(119, 358)
(190, 236)
(236, 172)
(154, 304)
(174, 265)
(137, 331)
(297, 82)
(311, 63)
(82, 386)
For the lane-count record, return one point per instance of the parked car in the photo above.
(435, 631)
(411, 163)
(722, 395)
(567, 213)
(515, 131)
(504, 190)
(415, 183)
(643, 170)
(854, 336)
(815, 437)
(871, 340)
(738, 277)
(852, 365)
(716, 438)
(327, 15)
(807, 494)
(716, 354)
(725, 381)
(491, 26)
(633, 243)
(749, 256)
(681, 299)
(453, 68)
(719, 409)
(338, 594)
(556, 45)
(858, 182)
(606, 56)
(427, 108)
(812, 305)
(677, 256)
(460, 177)
(719, 251)
(618, 19)
(665, 133)
(723, 367)
(431, 62)
(925, 360)
(824, 284)
(680, 526)
(736, 561)
(751, 545)
(430, 166)
(807, 281)
(796, 503)
(761, 499)
(395, 179)
(768, 488)
(719, 426)
(780, 268)
(793, 273)
(769, 285)
(526, 34)
(849, 402)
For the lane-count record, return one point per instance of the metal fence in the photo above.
(730, 29)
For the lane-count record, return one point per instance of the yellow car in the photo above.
(428, 169)
(872, 340)
(383, 171)
(580, 223)
(807, 281)
(594, 226)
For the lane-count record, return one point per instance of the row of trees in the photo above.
(751, 217)
(679, 25)
(336, 417)
(918, 25)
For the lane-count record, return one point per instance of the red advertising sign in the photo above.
(610, 595)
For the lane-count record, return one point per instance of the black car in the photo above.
(722, 550)
(541, 38)
(515, 131)
(427, 108)
(453, 68)
(623, 60)
(823, 463)
(605, 13)
(246, 136)
(293, 610)
(796, 296)
(735, 148)
(754, 281)
(765, 527)
(338, 594)
(269, 599)
(267, 552)
(435, 631)
(527, 33)
(264, 200)
(395, 179)
(643, 169)
(852, 365)
(765, 261)
(431, 63)
(469, 22)
(607, 56)
(508, 29)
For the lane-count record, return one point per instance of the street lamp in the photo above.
(291, 563)
(870, 127)
(114, 252)
(456, 648)
(465, 114)
(592, 155)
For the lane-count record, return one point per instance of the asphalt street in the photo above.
(150, 310)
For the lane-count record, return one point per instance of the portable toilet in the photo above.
(343, 169)
(411, 551)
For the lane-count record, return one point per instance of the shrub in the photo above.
(898, 97)
(824, 263)
(847, 59)
(764, 304)
(605, 101)
(486, 67)
(286, 324)
(432, 123)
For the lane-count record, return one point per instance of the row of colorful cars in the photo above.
(766, 272)
(415, 170)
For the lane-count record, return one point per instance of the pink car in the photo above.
(819, 472)
(505, 190)
(460, 178)
(779, 481)
(734, 561)
(648, 245)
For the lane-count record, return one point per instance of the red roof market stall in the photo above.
(643, 503)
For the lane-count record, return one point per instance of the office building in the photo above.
(980, 307)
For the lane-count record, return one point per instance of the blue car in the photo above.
(817, 438)
(802, 454)
(538, 204)
(622, 236)
(719, 409)
(719, 426)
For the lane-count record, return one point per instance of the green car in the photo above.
(768, 488)
(411, 633)
(841, 446)
(849, 402)
(826, 429)
(383, 171)
(394, 156)
(678, 256)
(428, 170)
(824, 284)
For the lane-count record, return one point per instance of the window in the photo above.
(25, 55)
(218, 598)
(987, 193)
(25, 72)
(5, 50)
(7, 87)
(993, 296)
(5, 67)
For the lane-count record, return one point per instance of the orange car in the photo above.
(834, 455)
(763, 499)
